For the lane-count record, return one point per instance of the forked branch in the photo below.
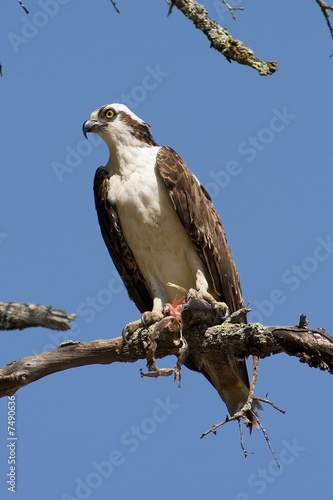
(325, 9)
(17, 316)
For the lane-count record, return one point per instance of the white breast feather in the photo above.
(152, 229)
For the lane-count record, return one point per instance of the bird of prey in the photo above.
(160, 227)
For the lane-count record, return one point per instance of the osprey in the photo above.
(160, 227)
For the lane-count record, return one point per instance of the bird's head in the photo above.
(117, 125)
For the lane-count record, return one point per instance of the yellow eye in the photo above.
(109, 114)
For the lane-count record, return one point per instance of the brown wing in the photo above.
(118, 249)
(203, 225)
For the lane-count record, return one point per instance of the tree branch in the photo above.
(325, 8)
(23, 7)
(314, 347)
(220, 39)
(115, 6)
(232, 9)
(17, 316)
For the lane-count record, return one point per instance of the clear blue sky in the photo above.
(263, 148)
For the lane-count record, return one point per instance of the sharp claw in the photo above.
(222, 310)
(144, 319)
(125, 334)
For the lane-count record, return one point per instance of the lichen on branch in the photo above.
(311, 346)
(220, 38)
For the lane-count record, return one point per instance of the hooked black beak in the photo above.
(90, 126)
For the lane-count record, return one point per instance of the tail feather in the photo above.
(227, 376)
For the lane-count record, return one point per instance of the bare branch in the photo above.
(314, 347)
(23, 7)
(220, 39)
(232, 9)
(267, 401)
(243, 413)
(325, 8)
(115, 6)
(17, 316)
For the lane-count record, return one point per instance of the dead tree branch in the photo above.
(115, 6)
(232, 9)
(17, 316)
(314, 347)
(23, 7)
(220, 39)
(325, 8)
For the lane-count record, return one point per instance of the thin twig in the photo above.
(242, 413)
(267, 401)
(324, 7)
(231, 9)
(254, 380)
(263, 430)
(23, 7)
(245, 451)
(115, 6)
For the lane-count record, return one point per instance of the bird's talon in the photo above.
(150, 317)
(130, 328)
(221, 309)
